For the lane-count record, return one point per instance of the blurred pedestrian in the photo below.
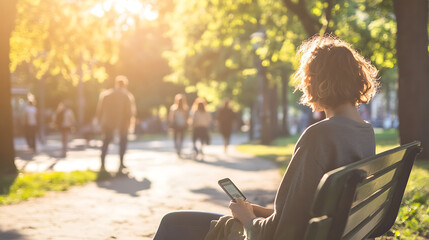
(31, 125)
(65, 121)
(225, 118)
(115, 111)
(178, 118)
(200, 120)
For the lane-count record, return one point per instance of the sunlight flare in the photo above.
(125, 7)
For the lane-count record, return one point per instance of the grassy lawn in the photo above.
(29, 185)
(413, 217)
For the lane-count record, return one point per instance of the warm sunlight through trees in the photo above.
(242, 49)
(135, 7)
(77, 49)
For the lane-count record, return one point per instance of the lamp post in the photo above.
(262, 129)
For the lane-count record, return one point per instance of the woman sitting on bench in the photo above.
(335, 79)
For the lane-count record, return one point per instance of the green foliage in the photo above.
(71, 43)
(65, 42)
(30, 185)
(213, 42)
(413, 217)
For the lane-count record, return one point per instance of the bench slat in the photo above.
(367, 189)
(379, 164)
(363, 231)
(368, 209)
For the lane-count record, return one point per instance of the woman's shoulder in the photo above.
(317, 129)
(338, 123)
(332, 127)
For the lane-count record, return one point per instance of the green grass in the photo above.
(31, 185)
(386, 139)
(413, 217)
(150, 136)
(280, 151)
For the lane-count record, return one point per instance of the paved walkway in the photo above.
(132, 206)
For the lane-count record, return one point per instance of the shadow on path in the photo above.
(11, 235)
(24, 155)
(125, 185)
(29, 156)
(240, 163)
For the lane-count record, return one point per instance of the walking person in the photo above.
(30, 119)
(178, 119)
(116, 108)
(65, 121)
(200, 121)
(225, 118)
(343, 137)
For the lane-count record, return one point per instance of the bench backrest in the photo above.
(361, 200)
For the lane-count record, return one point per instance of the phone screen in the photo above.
(231, 190)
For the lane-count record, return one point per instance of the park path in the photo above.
(132, 206)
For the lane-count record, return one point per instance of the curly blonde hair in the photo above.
(331, 73)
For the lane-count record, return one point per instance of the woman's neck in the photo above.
(346, 110)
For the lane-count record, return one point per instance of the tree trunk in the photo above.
(263, 124)
(252, 122)
(309, 22)
(81, 103)
(7, 152)
(285, 127)
(274, 103)
(413, 64)
(266, 132)
(42, 109)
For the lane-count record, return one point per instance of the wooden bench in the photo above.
(361, 200)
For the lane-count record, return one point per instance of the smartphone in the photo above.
(231, 190)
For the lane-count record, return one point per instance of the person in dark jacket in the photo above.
(115, 111)
(225, 118)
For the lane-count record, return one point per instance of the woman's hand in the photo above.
(242, 210)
